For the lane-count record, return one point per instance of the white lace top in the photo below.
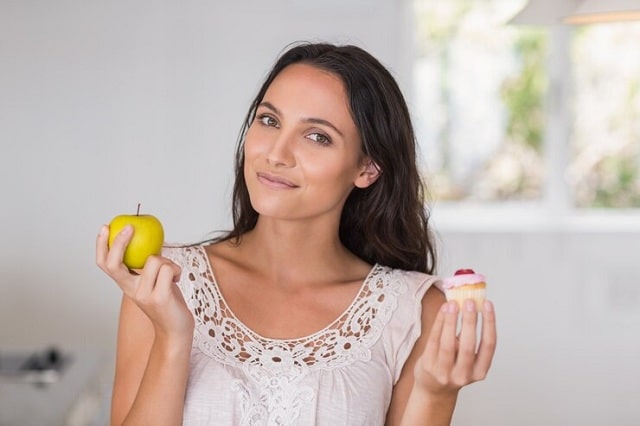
(341, 375)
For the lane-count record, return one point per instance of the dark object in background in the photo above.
(40, 368)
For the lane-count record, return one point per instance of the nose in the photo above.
(280, 152)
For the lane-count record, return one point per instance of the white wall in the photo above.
(104, 104)
(568, 309)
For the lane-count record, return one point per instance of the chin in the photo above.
(270, 207)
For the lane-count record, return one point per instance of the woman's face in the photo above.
(302, 151)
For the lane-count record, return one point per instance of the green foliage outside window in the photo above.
(455, 42)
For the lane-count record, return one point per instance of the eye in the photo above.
(320, 138)
(267, 120)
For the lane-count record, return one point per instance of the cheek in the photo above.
(250, 153)
(251, 144)
(331, 173)
(255, 148)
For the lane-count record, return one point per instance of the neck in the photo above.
(296, 251)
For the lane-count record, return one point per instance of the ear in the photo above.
(369, 173)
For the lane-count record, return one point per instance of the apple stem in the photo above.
(138, 210)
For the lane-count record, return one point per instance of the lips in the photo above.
(275, 181)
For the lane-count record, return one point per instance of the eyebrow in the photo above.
(312, 120)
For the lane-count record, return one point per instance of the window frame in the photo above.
(555, 210)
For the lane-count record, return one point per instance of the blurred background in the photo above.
(529, 131)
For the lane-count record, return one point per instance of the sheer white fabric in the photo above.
(341, 375)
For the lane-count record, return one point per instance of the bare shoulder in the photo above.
(431, 304)
(135, 337)
(224, 254)
(135, 324)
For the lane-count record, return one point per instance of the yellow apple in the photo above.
(147, 240)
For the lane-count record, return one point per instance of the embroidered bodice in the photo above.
(340, 375)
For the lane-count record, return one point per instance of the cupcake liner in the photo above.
(460, 294)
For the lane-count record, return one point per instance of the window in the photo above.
(510, 114)
(605, 140)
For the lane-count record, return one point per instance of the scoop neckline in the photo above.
(249, 330)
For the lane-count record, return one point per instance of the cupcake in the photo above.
(465, 284)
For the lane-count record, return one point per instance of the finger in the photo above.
(467, 341)
(433, 343)
(168, 274)
(157, 278)
(115, 267)
(447, 350)
(118, 247)
(102, 246)
(487, 343)
(148, 278)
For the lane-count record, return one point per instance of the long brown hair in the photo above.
(386, 223)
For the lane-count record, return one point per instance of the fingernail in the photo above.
(453, 307)
(469, 305)
(488, 306)
(104, 230)
(445, 307)
(128, 229)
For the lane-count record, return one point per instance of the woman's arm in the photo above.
(154, 338)
(151, 372)
(442, 362)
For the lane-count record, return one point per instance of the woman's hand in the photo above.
(451, 361)
(152, 289)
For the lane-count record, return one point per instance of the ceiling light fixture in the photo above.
(577, 12)
(602, 11)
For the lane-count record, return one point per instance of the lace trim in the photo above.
(220, 335)
(274, 392)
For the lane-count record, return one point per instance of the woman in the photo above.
(319, 306)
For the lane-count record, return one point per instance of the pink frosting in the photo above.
(462, 279)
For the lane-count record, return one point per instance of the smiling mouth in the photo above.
(275, 181)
